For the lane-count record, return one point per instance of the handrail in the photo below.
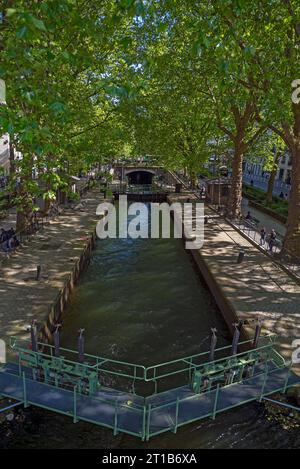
(205, 364)
(212, 391)
(99, 361)
(92, 367)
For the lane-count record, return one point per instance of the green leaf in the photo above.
(22, 32)
(10, 12)
(57, 107)
(126, 3)
(39, 24)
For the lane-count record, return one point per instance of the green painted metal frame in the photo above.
(213, 413)
(151, 374)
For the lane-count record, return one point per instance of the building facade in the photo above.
(284, 172)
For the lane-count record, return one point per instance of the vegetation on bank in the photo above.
(258, 195)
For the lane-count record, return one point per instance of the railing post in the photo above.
(116, 419)
(216, 402)
(144, 422)
(148, 423)
(75, 420)
(287, 379)
(264, 382)
(24, 390)
(176, 415)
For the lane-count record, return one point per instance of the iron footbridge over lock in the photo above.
(144, 401)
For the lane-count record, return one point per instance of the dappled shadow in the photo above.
(255, 288)
(56, 249)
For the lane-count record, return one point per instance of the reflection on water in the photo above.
(141, 301)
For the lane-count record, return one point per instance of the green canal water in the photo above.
(143, 301)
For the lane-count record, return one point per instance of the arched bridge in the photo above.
(144, 174)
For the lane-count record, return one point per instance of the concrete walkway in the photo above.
(56, 249)
(255, 288)
(265, 220)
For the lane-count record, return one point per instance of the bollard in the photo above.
(257, 334)
(81, 346)
(33, 334)
(213, 343)
(241, 256)
(178, 188)
(38, 272)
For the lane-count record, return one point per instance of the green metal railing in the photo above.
(96, 368)
(214, 396)
(152, 415)
(193, 362)
(173, 417)
(68, 357)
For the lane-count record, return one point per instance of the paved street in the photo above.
(264, 219)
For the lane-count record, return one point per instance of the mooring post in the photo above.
(33, 334)
(81, 343)
(213, 343)
(241, 256)
(235, 340)
(257, 334)
(56, 336)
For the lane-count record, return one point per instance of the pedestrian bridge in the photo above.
(143, 401)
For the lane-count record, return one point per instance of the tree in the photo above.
(56, 60)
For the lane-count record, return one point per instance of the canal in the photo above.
(143, 301)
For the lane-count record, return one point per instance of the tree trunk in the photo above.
(292, 238)
(236, 192)
(271, 182)
(21, 221)
(12, 166)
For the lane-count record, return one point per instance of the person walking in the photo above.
(272, 240)
(263, 235)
